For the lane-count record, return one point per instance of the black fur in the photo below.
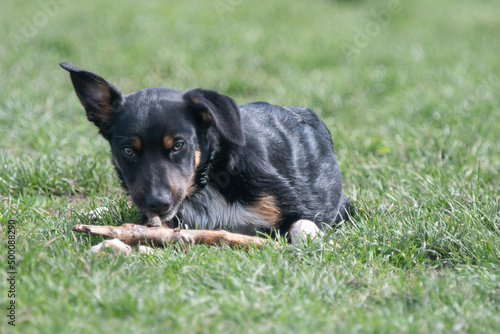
(268, 161)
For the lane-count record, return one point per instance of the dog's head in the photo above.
(160, 138)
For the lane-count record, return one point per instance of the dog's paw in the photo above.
(302, 230)
(305, 230)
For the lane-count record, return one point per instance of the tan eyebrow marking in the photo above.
(168, 142)
(136, 143)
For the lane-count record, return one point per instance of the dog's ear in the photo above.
(96, 94)
(218, 110)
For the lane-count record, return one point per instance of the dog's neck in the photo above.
(204, 173)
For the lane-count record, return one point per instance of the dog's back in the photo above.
(295, 145)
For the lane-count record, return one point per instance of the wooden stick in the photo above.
(132, 234)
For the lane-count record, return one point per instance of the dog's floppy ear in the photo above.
(96, 94)
(220, 111)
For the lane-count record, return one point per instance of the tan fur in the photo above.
(197, 159)
(191, 184)
(136, 143)
(105, 113)
(168, 142)
(194, 100)
(266, 208)
(207, 117)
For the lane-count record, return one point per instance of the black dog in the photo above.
(197, 159)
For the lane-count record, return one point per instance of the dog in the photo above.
(196, 159)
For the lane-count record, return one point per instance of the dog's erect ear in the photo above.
(220, 111)
(96, 94)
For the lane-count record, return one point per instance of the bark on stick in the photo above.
(132, 234)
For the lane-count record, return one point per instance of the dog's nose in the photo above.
(158, 205)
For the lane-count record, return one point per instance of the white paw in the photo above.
(302, 230)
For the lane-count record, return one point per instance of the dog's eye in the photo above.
(178, 146)
(128, 151)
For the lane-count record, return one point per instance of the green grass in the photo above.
(414, 113)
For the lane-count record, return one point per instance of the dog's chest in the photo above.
(208, 209)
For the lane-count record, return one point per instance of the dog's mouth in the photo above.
(157, 215)
(154, 221)
(160, 219)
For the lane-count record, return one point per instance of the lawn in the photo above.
(410, 91)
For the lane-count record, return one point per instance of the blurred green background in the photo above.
(414, 82)
(409, 90)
